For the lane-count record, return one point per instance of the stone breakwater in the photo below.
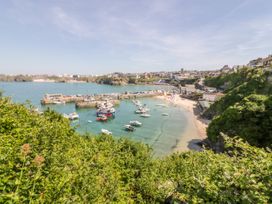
(93, 101)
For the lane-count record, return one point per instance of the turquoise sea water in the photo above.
(161, 132)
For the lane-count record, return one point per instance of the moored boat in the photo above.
(142, 110)
(58, 102)
(129, 128)
(135, 123)
(145, 115)
(139, 111)
(109, 112)
(106, 132)
(137, 102)
(102, 118)
(165, 114)
(72, 116)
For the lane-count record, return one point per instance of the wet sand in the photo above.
(196, 129)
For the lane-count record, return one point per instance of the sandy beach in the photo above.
(196, 130)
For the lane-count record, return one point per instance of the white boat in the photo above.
(137, 102)
(145, 115)
(112, 110)
(106, 132)
(58, 102)
(139, 111)
(129, 128)
(105, 111)
(142, 110)
(71, 116)
(135, 123)
(165, 114)
(89, 121)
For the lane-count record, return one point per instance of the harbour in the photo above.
(159, 131)
(92, 101)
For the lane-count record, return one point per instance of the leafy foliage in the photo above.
(230, 80)
(251, 119)
(43, 160)
(241, 175)
(240, 85)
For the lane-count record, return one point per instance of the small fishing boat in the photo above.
(71, 116)
(102, 118)
(106, 132)
(58, 102)
(145, 115)
(137, 102)
(139, 111)
(104, 111)
(135, 123)
(129, 128)
(165, 114)
(142, 110)
(89, 121)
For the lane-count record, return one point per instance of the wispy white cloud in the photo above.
(70, 24)
(156, 33)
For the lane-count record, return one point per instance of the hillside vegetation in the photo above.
(43, 160)
(251, 119)
(237, 86)
(246, 108)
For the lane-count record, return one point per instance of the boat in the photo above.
(135, 123)
(71, 116)
(102, 118)
(105, 114)
(137, 102)
(139, 111)
(109, 112)
(89, 121)
(129, 128)
(58, 102)
(165, 114)
(145, 115)
(142, 110)
(106, 132)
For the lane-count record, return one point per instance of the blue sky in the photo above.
(102, 36)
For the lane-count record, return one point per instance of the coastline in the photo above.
(190, 136)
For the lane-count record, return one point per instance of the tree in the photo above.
(251, 119)
(244, 83)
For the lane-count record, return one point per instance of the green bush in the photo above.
(241, 175)
(43, 160)
(240, 85)
(251, 119)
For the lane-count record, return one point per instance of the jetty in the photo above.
(95, 100)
